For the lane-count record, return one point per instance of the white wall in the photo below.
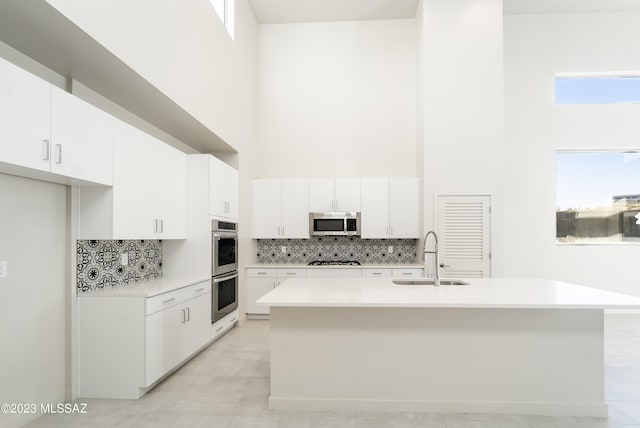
(337, 99)
(463, 109)
(32, 297)
(536, 47)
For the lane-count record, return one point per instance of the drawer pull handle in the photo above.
(291, 273)
(376, 273)
(262, 273)
(234, 320)
(199, 290)
(164, 302)
(407, 273)
(219, 328)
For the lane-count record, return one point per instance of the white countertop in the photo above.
(480, 293)
(363, 266)
(144, 288)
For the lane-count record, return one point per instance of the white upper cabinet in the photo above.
(223, 190)
(25, 118)
(172, 191)
(374, 222)
(149, 195)
(334, 194)
(404, 208)
(280, 208)
(81, 139)
(44, 128)
(390, 208)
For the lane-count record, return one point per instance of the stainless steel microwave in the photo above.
(334, 223)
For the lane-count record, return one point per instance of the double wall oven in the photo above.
(224, 268)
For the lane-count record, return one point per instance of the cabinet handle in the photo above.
(262, 273)
(219, 328)
(333, 204)
(164, 302)
(407, 273)
(278, 230)
(58, 153)
(155, 225)
(234, 320)
(45, 149)
(188, 314)
(386, 230)
(161, 226)
(376, 273)
(337, 204)
(183, 317)
(199, 290)
(391, 230)
(291, 273)
(282, 230)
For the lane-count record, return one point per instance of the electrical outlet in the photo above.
(3, 269)
(124, 259)
(390, 249)
(283, 249)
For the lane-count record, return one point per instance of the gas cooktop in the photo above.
(334, 263)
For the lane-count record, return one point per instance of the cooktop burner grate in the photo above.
(334, 263)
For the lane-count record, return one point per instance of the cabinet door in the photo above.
(164, 342)
(267, 208)
(321, 195)
(134, 184)
(223, 190)
(403, 208)
(375, 208)
(198, 323)
(81, 139)
(295, 208)
(25, 114)
(348, 194)
(172, 192)
(256, 288)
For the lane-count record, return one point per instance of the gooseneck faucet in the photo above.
(436, 275)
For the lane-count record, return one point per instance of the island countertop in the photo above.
(480, 293)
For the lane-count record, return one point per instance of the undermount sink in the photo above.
(428, 281)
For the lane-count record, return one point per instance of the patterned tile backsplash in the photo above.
(99, 263)
(366, 251)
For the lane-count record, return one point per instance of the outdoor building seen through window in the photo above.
(597, 197)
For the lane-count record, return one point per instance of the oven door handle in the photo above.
(225, 235)
(225, 278)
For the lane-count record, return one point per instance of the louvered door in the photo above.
(464, 230)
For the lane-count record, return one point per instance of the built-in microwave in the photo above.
(334, 223)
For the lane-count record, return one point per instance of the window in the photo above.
(591, 88)
(597, 196)
(225, 9)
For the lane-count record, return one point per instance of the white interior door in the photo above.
(464, 229)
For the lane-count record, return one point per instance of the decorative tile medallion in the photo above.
(366, 251)
(99, 263)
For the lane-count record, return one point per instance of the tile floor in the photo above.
(227, 385)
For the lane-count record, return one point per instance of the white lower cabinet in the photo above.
(126, 344)
(260, 281)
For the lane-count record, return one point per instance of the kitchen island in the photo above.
(521, 346)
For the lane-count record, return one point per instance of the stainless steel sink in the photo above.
(428, 281)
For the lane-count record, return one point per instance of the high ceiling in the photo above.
(289, 11)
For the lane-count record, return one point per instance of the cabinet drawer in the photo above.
(164, 301)
(376, 273)
(262, 273)
(196, 290)
(334, 273)
(408, 273)
(290, 273)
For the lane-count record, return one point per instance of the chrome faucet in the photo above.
(436, 275)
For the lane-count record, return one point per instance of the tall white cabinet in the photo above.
(280, 208)
(390, 208)
(149, 195)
